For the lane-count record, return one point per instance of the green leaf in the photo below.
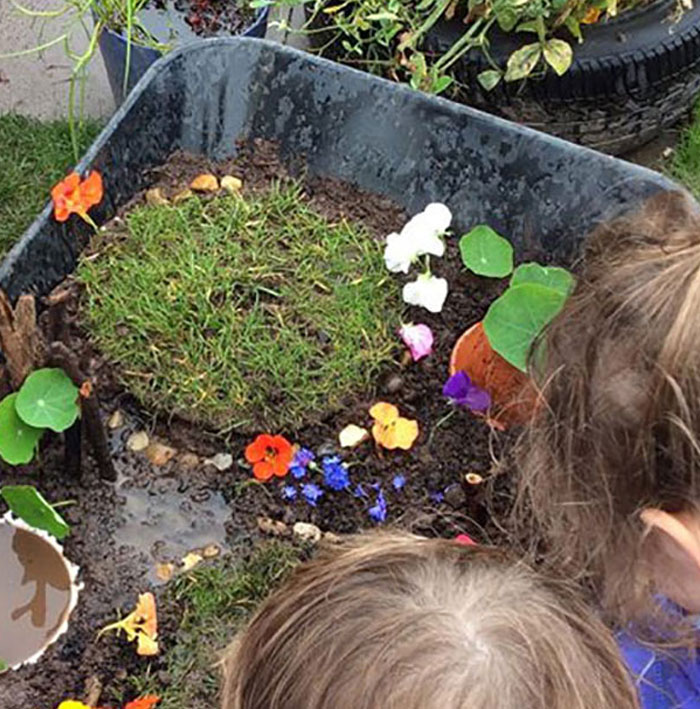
(489, 79)
(486, 253)
(558, 54)
(3, 666)
(48, 399)
(507, 18)
(27, 503)
(529, 26)
(550, 276)
(517, 317)
(440, 84)
(573, 25)
(523, 61)
(18, 441)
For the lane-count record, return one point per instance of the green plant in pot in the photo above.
(495, 353)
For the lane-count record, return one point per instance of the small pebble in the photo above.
(332, 538)
(158, 453)
(164, 572)
(155, 197)
(211, 551)
(137, 441)
(231, 184)
(188, 460)
(116, 420)
(221, 461)
(271, 526)
(205, 183)
(181, 196)
(393, 384)
(307, 532)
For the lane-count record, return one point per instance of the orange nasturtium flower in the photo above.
(146, 702)
(391, 430)
(140, 625)
(73, 196)
(269, 455)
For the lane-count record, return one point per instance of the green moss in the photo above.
(213, 602)
(242, 312)
(34, 155)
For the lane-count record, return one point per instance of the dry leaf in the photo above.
(205, 183)
(155, 197)
(221, 461)
(211, 551)
(180, 196)
(116, 420)
(86, 389)
(271, 526)
(159, 454)
(352, 435)
(231, 184)
(190, 560)
(165, 572)
(307, 532)
(137, 441)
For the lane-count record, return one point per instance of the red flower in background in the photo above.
(269, 455)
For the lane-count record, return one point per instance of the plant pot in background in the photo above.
(512, 393)
(631, 78)
(113, 47)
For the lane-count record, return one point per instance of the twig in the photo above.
(61, 356)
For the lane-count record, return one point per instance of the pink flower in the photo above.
(418, 339)
(465, 539)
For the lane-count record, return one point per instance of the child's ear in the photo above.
(673, 544)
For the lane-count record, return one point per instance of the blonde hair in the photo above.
(401, 622)
(618, 427)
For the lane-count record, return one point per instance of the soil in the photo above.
(159, 512)
(205, 18)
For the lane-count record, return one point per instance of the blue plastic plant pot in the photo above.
(543, 193)
(113, 48)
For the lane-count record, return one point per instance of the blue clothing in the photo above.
(665, 679)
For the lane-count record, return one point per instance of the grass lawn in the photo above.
(685, 164)
(214, 601)
(221, 309)
(34, 155)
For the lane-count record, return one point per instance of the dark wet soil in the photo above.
(157, 513)
(185, 20)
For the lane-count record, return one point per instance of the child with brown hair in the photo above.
(401, 622)
(609, 480)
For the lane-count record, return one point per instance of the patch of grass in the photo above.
(242, 311)
(685, 164)
(214, 601)
(34, 155)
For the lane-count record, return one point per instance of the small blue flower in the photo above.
(378, 511)
(359, 491)
(311, 493)
(398, 482)
(437, 497)
(289, 492)
(303, 457)
(335, 473)
(297, 471)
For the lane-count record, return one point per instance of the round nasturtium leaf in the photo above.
(18, 440)
(550, 276)
(48, 399)
(486, 253)
(517, 317)
(27, 503)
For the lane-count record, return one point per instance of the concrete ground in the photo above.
(36, 84)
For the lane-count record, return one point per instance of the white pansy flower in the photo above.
(421, 235)
(426, 291)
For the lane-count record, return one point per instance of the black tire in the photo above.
(631, 78)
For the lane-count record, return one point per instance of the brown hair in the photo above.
(401, 622)
(618, 427)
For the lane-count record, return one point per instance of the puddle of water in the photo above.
(165, 523)
(36, 594)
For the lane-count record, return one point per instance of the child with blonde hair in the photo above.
(609, 479)
(400, 622)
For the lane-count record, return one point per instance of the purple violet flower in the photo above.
(297, 471)
(398, 482)
(312, 493)
(461, 391)
(289, 492)
(335, 473)
(303, 457)
(378, 511)
(437, 497)
(359, 491)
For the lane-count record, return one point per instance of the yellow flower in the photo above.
(140, 625)
(391, 430)
(72, 704)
